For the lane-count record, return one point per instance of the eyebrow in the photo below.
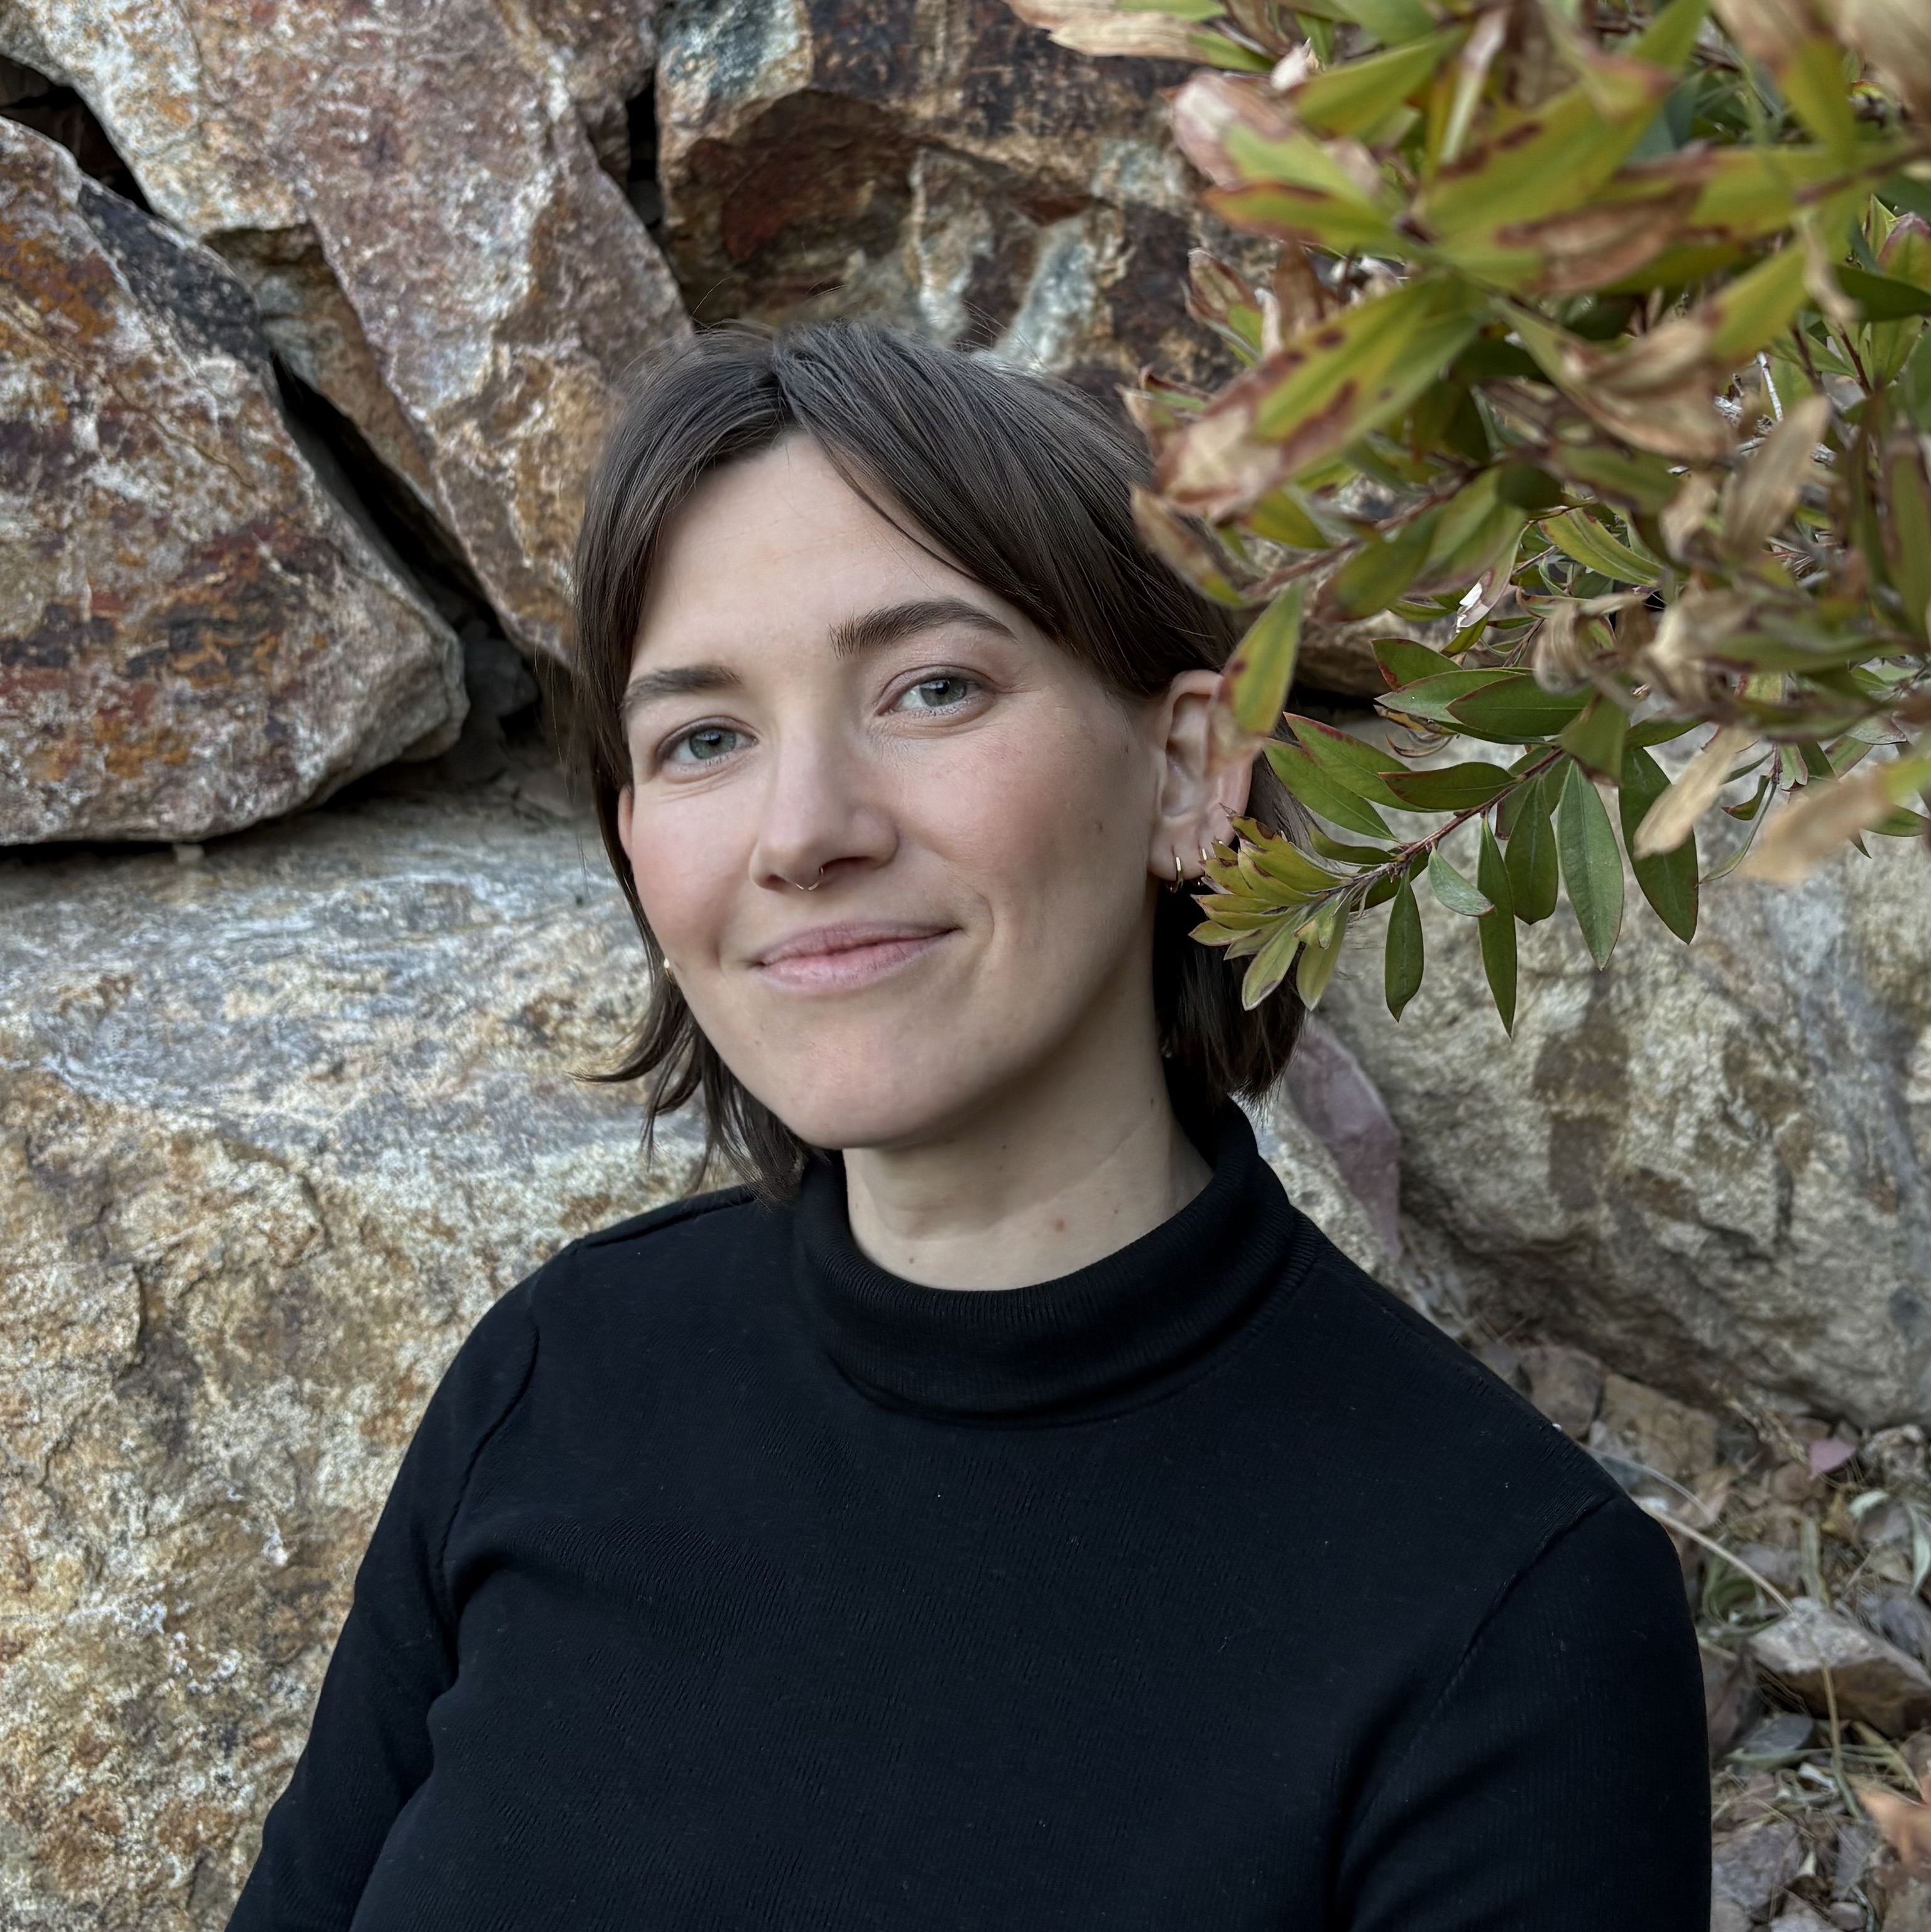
(850, 638)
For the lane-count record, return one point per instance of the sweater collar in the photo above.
(1137, 1317)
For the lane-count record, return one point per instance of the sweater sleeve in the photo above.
(368, 1746)
(1562, 1779)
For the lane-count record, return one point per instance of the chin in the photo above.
(883, 1098)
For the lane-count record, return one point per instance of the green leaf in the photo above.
(1882, 298)
(1270, 966)
(1551, 159)
(1643, 483)
(1452, 889)
(1298, 770)
(1496, 929)
(1356, 767)
(1448, 787)
(1531, 857)
(1317, 964)
(1323, 390)
(1667, 879)
(1279, 517)
(1402, 967)
(1377, 573)
(1403, 661)
(1316, 218)
(1592, 865)
(1355, 96)
(1262, 667)
(1593, 737)
(1390, 22)
(1515, 711)
(1581, 537)
(1428, 699)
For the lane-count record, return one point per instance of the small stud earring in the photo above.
(669, 973)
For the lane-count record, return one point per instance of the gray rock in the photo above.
(1710, 1165)
(1873, 1681)
(1752, 1868)
(1329, 1091)
(275, 1127)
(194, 634)
(1566, 1385)
(1798, 1917)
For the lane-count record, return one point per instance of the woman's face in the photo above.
(897, 846)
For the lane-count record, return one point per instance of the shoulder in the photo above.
(1445, 1445)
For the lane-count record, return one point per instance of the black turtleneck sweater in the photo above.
(732, 1582)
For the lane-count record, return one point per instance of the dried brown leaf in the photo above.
(1758, 498)
(1694, 789)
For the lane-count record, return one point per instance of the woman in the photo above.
(1008, 1511)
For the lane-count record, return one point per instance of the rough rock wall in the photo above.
(194, 633)
(1710, 1164)
(935, 162)
(413, 194)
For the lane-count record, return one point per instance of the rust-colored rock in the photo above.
(194, 633)
(936, 162)
(1872, 1682)
(414, 194)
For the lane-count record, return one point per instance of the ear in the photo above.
(1200, 789)
(626, 810)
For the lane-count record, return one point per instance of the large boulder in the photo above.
(935, 162)
(194, 633)
(414, 196)
(275, 1127)
(1711, 1164)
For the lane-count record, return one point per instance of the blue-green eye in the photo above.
(706, 743)
(938, 694)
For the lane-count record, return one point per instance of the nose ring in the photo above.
(815, 883)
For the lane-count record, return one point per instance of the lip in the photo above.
(837, 958)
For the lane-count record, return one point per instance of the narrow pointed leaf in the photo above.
(1262, 667)
(1355, 767)
(1452, 889)
(1593, 738)
(1667, 879)
(1585, 539)
(1317, 964)
(1592, 864)
(1402, 967)
(1448, 787)
(1496, 929)
(1298, 771)
(1531, 861)
(1270, 965)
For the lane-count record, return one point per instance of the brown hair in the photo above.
(1024, 484)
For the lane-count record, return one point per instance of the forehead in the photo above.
(780, 539)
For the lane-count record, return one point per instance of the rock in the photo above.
(1729, 1695)
(1876, 1683)
(1908, 1906)
(1710, 1165)
(195, 634)
(1315, 1185)
(1328, 1090)
(1638, 1424)
(1777, 1741)
(275, 1127)
(1798, 1917)
(1727, 1915)
(1566, 1385)
(414, 196)
(941, 165)
(1752, 1868)
(1898, 1462)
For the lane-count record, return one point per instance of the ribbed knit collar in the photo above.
(1139, 1316)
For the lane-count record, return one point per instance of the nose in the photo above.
(824, 816)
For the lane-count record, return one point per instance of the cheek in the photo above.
(1051, 815)
(683, 860)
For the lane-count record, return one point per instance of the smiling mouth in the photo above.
(837, 959)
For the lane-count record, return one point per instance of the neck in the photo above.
(1037, 1184)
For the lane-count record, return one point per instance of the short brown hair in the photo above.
(1023, 482)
